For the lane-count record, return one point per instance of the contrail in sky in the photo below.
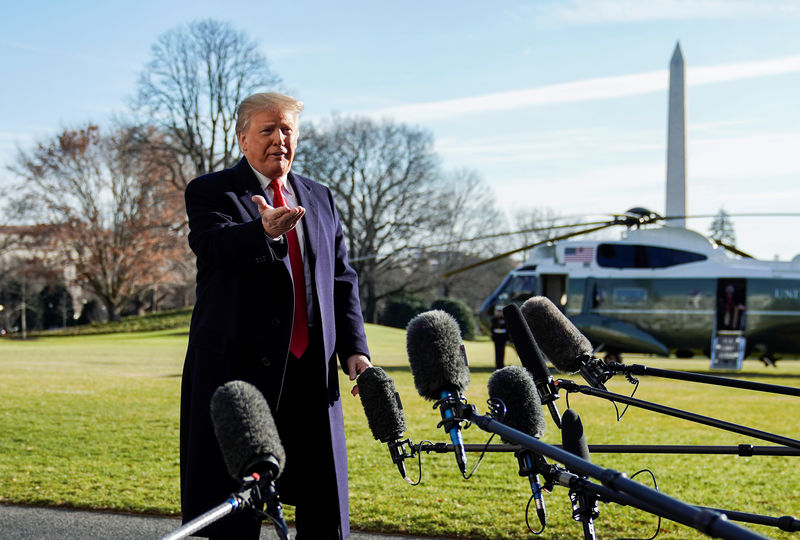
(587, 90)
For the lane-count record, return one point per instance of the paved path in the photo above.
(29, 523)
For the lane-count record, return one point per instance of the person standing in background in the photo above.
(500, 338)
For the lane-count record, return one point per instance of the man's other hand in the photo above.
(355, 365)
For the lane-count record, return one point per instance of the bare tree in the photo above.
(406, 220)
(471, 219)
(190, 89)
(387, 184)
(536, 224)
(111, 215)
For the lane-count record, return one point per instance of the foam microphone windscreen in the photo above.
(381, 404)
(557, 337)
(514, 386)
(435, 353)
(245, 429)
(572, 437)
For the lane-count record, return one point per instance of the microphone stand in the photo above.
(709, 522)
(254, 493)
(584, 509)
(571, 386)
(612, 368)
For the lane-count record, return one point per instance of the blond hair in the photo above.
(265, 101)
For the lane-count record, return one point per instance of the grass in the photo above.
(92, 422)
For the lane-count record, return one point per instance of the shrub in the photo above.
(400, 310)
(161, 320)
(461, 313)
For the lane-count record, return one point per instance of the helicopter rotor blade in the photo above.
(605, 225)
(733, 249)
(484, 237)
(742, 214)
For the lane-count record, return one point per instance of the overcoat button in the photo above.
(275, 321)
(265, 361)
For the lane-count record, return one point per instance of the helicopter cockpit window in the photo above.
(638, 256)
(520, 288)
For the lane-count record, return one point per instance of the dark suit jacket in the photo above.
(241, 323)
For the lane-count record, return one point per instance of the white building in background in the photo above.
(20, 253)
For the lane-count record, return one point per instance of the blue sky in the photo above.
(560, 105)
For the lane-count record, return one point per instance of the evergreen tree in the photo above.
(721, 229)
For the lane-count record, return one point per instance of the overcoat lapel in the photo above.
(248, 186)
(311, 218)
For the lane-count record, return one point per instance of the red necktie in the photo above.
(299, 342)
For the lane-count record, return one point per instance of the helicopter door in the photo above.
(554, 287)
(728, 342)
(731, 304)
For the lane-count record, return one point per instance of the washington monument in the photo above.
(676, 140)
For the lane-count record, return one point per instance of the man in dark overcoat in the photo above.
(281, 321)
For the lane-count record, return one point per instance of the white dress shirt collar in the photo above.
(265, 183)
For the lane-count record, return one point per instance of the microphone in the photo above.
(439, 365)
(573, 440)
(562, 343)
(515, 388)
(384, 412)
(531, 358)
(246, 432)
(250, 445)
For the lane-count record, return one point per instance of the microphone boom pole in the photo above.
(571, 386)
(606, 495)
(639, 369)
(742, 450)
(211, 516)
(256, 491)
(708, 522)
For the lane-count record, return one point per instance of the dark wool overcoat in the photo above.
(242, 319)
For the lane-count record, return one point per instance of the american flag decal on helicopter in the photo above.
(578, 254)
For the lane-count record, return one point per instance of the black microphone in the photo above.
(384, 412)
(573, 440)
(515, 388)
(562, 343)
(249, 442)
(531, 358)
(246, 432)
(439, 365)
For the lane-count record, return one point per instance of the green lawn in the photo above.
(92, 422)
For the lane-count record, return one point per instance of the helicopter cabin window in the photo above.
(638, 256)
(519, 288)
(630, 297)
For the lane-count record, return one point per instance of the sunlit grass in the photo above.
(92, 422)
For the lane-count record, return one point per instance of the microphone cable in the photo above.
(655, 486)
(428, 447)
(634, 381)
(419, 464)
(527, 513)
